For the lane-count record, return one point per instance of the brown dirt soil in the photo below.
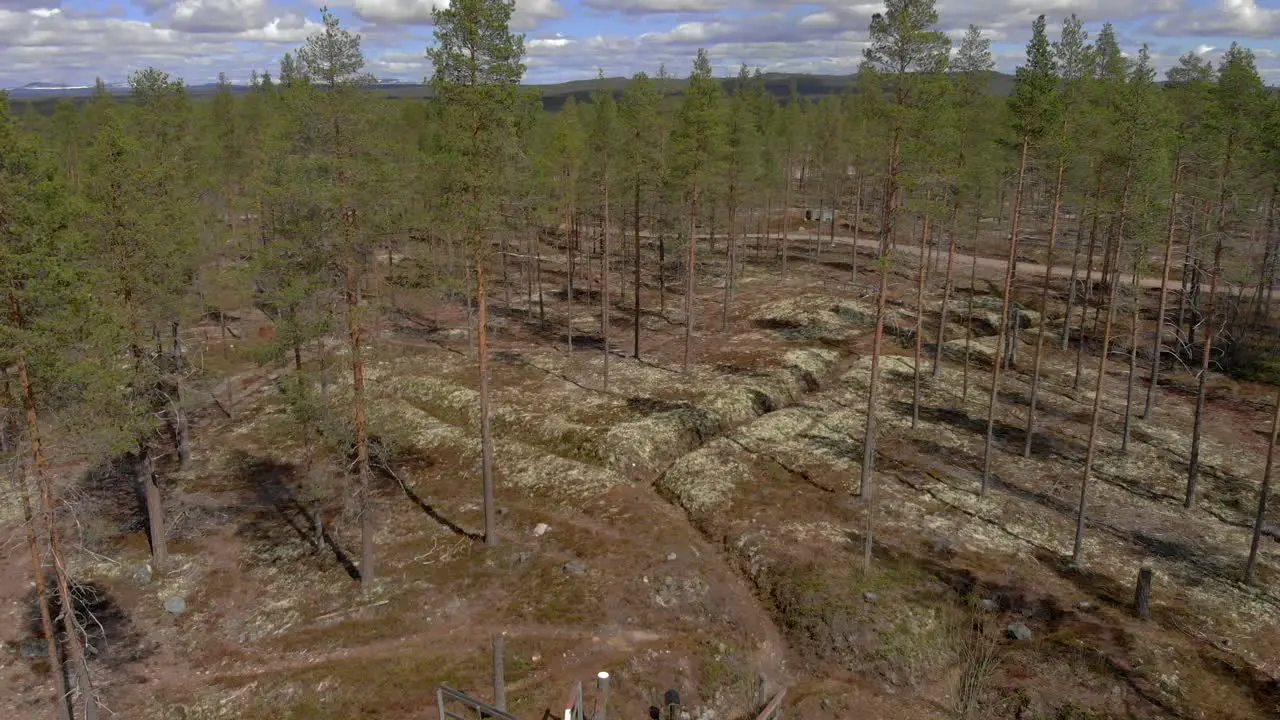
(704, 528)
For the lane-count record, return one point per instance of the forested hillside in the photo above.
(307, 306)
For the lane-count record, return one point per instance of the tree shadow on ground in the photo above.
(272, 483)
(383, 471)
(1042, 444)
(108, 634)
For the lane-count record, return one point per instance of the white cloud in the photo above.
(1231, 18)
(640, 7)
(528, 14)
(219, 15)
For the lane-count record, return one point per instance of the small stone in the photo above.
(671, 556)
(142, 576)
(1087, 606)
(1019, 631)
(175, 605)
(540, 529)
(522, 558)
(825, 704)
(573, 567)
(989, 605)
(34, 648)
(870, 596)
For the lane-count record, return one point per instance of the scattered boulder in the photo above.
(175, 605)
(574, 567)
(540, 529)
(671, 557)
(989, 605)
(1019, 631)
(143, 575)
(870, 597)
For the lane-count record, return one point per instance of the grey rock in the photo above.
(522, 557)
(671, 556)
(574, 567)
(33, 648)
(142, 576)
(175, 605)
(1087, 606)
(1019, 631)
(870, 597)
(707, 715)
(989, 605)
(825, 704)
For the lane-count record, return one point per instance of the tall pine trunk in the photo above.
(733, 258)
(1088, 279)
(636, 224)
(79, 667)
(923, 271)
(368, 573)
(946, 290)
(1091, 450)
(690, 281)
(486, 424)
(786, 219)
(1202, 387)
(1158, 350)
(604, 285)
(62, 709)
(867, 485)
(1136, 316)
(855, 221)
(1261, 518)
(181, 425)
(1044, 311)
(1003, 333)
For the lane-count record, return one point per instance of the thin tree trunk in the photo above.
(997, 361)
(356, 337)
(1193, 469)
(690, 281)
(1077, 553)
(662, 272)
(855, 221)
(968, 335)
(604, 288)
(486, 424)
(733, 259)
(568, 293)
(1133, 350)
(1044, 311)
(866, 489)
(181, 425)
(946, 291)
(71, 628)
(636, 218)
(1261, 518)
(1158, 350)
(1088, 280)
(915, 392)
(62, 709)
(1071, 285)
(786, 220)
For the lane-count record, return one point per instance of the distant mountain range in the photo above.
(554, 95)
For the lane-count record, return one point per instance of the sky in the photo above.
(75, 41)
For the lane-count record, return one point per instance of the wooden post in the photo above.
(602, 696)
(499, 672)
(1142, 597)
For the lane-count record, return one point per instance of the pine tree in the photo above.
(643, 161)
(913, 57)
(1035, 107)
(57, 333)
(604, 140)
(478, 67)
(1071, 55)
(740, 166)
(972, 69)
(333, 63)
(697, 141)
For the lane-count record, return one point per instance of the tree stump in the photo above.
(1142, 596)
